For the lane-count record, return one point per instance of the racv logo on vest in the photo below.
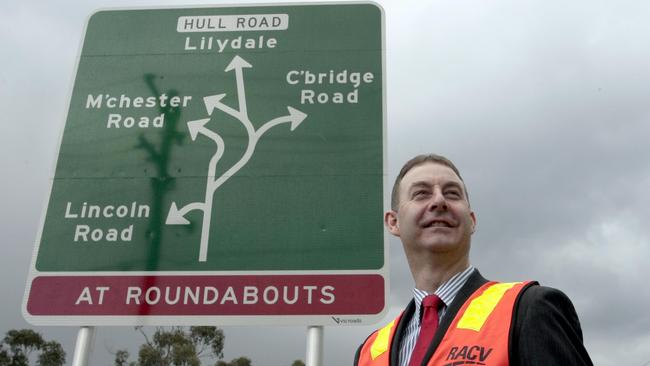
(468, 355)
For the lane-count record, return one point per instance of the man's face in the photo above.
(433, 213)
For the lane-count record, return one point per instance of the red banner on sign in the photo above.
(207, 295)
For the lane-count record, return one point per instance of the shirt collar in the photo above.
(447, 291)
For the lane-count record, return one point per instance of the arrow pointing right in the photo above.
(296, 117)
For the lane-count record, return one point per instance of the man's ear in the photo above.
(474, 222)
(390, 221)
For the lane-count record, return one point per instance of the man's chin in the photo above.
(441, 246)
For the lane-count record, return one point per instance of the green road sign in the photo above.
(210, 154)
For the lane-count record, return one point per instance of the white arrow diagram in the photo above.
(214, 101)
(295, 117)
(177, 217)
(238, 64)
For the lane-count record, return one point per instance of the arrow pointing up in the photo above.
(196, 126)
(237, 63)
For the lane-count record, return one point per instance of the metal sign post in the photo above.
(314, 346)
(84, 345)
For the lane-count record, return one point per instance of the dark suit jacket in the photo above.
(545, 331)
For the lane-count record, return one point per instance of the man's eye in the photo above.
(453, 194)
(420, 194)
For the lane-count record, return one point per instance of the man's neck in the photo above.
(429, 276)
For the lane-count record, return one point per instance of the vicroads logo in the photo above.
(342, 321)
(468, 355)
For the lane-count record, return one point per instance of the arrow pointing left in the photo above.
(177, 217)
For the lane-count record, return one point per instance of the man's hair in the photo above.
(416, 161)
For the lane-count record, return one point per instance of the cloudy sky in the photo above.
(542, 104)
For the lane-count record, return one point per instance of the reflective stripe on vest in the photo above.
(375, 350)
(478, 334)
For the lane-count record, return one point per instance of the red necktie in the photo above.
(428, 326)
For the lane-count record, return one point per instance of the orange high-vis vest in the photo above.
(477, 336)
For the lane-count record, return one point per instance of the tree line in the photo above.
(168, 346)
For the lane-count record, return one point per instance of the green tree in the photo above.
(176, 346)
(122, 358)
(18, 345)
(241, 361)
(52, 354)
(179, 346)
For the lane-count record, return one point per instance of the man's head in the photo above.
(430, 209)
(418, 160)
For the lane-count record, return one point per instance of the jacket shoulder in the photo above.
(546, 329)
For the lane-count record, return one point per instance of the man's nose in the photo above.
(437, 201)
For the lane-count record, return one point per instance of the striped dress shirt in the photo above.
(446, 292)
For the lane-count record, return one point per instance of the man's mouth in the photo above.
(438, 223)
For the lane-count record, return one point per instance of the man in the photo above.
(457, 317)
